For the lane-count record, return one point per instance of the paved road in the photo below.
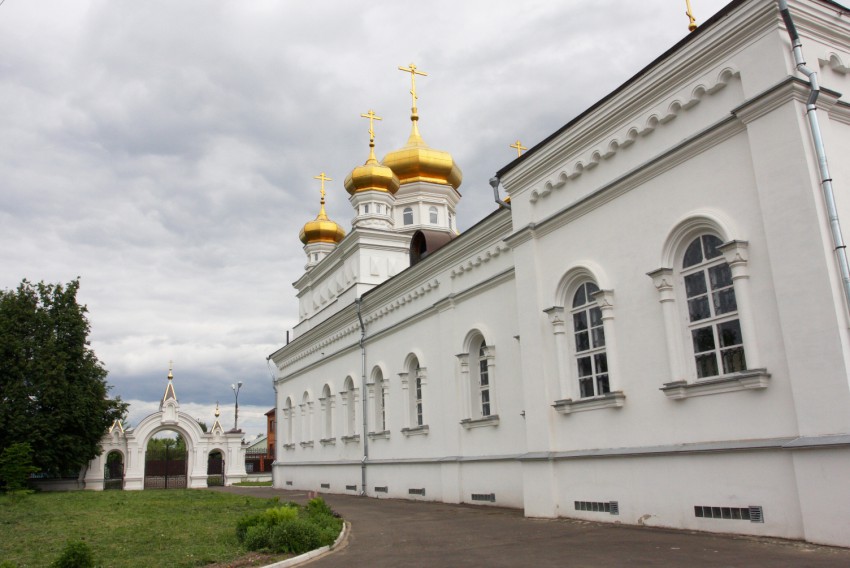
(391, 533)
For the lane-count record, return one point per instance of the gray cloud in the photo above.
(165, 151)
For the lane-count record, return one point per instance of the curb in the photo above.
(313, 554)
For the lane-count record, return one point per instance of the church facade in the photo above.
(652, 330)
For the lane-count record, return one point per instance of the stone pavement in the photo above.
(391, 532)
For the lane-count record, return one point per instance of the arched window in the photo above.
(418, 395)
(433, 217)
(366, 209)
(477, 370)
(483, 382)
(350, 406)
(715, 330)
(589, 341)
(327, 413)
(407, 216)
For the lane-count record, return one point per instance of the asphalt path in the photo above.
(392, 532)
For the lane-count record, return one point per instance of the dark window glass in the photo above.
(580, 297)
(711, 244)
(698, 308)
(720, 276)
(695, 284)
(693, 254)
(703, 339)
(585, 368)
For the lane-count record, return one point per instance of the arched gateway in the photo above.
(132, 444)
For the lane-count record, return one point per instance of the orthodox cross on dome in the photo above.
(372, 117)
(413, 73)
(519, 148)
(692, 24)
(323, 178)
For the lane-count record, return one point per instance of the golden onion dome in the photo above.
(371, 176)
(416, 161)
(321, 229)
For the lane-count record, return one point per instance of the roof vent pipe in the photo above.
(494, 183)
(826, 181)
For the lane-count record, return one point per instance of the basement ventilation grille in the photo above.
(612, 507)
(384, 489)
(326, 485)
(753, 513)
(351, 488)
(416, 492)
(289, 483)
(488, 497)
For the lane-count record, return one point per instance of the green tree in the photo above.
(53, 391)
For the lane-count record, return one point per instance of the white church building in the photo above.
(652, 329)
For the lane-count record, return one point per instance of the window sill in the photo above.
(614, 399)
(415, 431)
(328, 441)
(289, 446)
(754, 379)
(351, 439)
(492, 420)
(307, 444)
(382, 435)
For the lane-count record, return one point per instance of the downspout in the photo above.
(494, 183)
(839, 247)
(365, 435)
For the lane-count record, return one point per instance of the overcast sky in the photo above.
(164, 150)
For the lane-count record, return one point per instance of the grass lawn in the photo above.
(253, 484)
(177, 527)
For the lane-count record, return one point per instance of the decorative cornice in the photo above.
(477, 260)
(637, 129)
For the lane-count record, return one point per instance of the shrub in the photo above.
(290, 528)
(268, 518)
(296, 536)
(258, 537)
(16, 467)
(76, 554)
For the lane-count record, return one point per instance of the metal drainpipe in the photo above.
(826, 181)
(365, 459)
(494, 183)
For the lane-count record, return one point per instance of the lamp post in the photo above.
(236, 388)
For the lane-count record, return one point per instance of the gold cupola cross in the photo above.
(413, 73)
(519, 148)
(372, 117)
(323, 179)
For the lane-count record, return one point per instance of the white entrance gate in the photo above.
(133, 442)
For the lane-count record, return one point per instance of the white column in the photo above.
(605, 301)
(559, 332)
(465, 385)
(662, 278)
(406, 398)
(735, 253)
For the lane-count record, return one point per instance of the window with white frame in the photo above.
(407, 216)
(418, 394)
(327, 413)
(350, 406)
(433, 216)
(589, 341)
(483, 381)
(713, 323)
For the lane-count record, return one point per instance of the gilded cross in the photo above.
(692, 24)
(372, 117)
(323, 178)
(170, 367)
(413, 73)
(519, 148)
